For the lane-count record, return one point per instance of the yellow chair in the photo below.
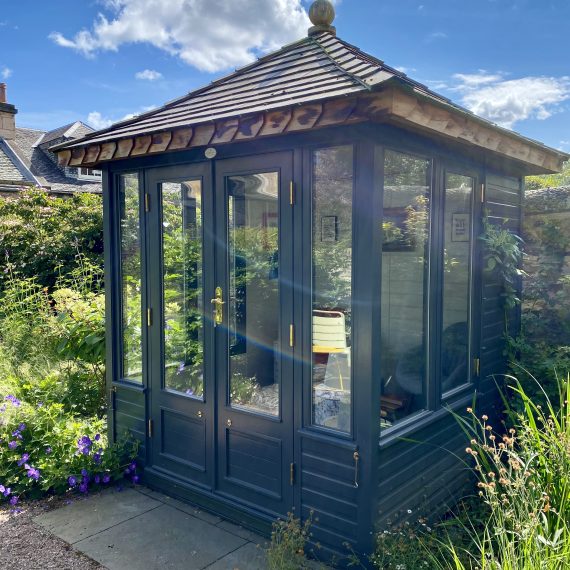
(329, 337)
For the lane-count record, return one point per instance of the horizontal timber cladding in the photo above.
(129, 415)
(503, 207)
(329, 495)
(423, 475)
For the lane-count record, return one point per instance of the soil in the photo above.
(25, 545)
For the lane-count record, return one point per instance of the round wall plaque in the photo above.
(211, 152)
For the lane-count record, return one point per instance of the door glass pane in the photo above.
(332, 287)
(129, 207)
(405, 264)
(183, 287)
(253, 303)
(456, 281)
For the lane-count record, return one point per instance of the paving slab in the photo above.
(163, 538)
(84, 518)
(186, 507)
(242, 532)
(248, 557)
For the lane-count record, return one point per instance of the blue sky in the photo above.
(100, 60)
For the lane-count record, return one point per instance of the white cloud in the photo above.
(508, 101)
(5, 72)
(149, 75)
(436, 36)
(208, 34)
(99, 121)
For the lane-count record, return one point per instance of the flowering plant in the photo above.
(43, 449)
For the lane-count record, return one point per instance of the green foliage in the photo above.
(503, 258)
(288, 541)
(55, 343)
(41, 235)
(524, 480)
(550, 180)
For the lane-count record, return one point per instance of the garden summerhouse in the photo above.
(295, 286)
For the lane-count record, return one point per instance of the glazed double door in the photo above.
(219, 314)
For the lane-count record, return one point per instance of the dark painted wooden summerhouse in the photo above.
(295, 287)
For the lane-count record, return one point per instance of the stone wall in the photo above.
(546, 231)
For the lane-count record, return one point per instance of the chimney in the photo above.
(7, 116)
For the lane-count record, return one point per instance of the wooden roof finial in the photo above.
(322, 15)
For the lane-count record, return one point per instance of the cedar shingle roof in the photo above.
(313, 69)
(318, 81)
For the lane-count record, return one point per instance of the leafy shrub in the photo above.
(44, 449)
(41, 235)
(54, 344)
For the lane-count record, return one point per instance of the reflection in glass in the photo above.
(456, 281)
(253, 304)
(183, 287)
(130, 237)
(405, 261)
(332, 287)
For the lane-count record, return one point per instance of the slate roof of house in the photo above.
(23, 162)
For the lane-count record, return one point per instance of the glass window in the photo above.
(405, 270)
(332, 287)
(183, 288)
(130, 238)
(253, 304)
(455, 339)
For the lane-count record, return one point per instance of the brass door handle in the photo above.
(218, 303)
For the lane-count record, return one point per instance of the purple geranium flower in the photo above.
(24, 459)
(22, 427)
(106, 478)
(33, 473)
(97, 436)
(48, 450)
(2, 488)
(135, 479)
(133, 466)
(6, 492)
(97, 479)
(84, 472)
(14, 401)
(97, 458)
(13, 444)
(17, 434)
(14, 501)
(72, 481)
(83, 488)
(84, 445)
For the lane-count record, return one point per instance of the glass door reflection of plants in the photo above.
(183, 305)
(253, 304)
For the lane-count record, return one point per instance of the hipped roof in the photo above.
(318, 81)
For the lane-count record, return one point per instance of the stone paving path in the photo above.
(140, 529)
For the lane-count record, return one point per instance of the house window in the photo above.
(332, 287)
(88, 174)
(405, 285)
(130, 264)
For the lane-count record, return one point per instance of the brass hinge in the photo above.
(149, 317)
(292, 193)
(482, 193)
(477, 366)
(292, 474)
(150, 428)
(292, 336)
(147, 202)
